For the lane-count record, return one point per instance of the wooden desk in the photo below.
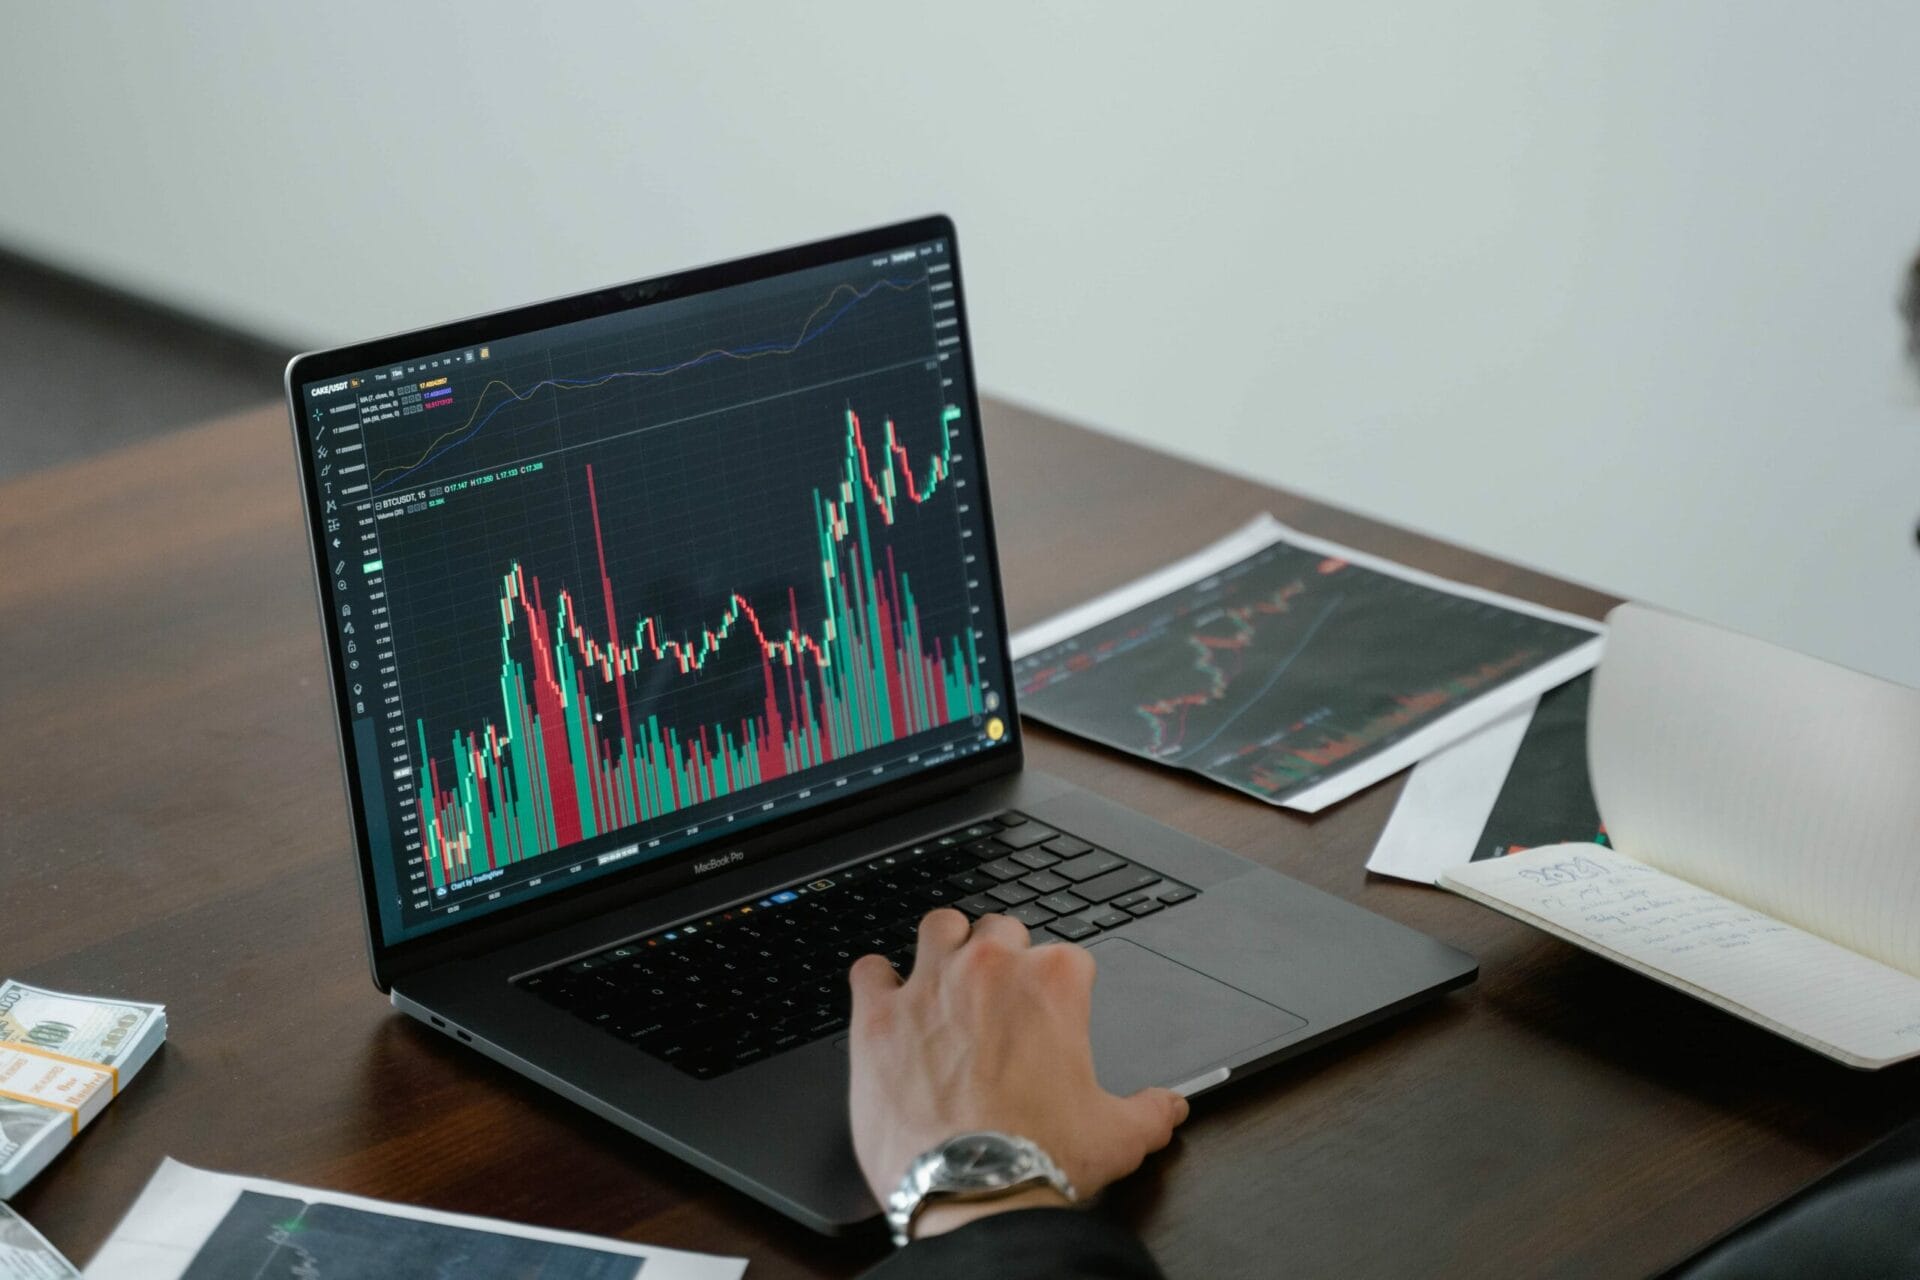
(171, 829)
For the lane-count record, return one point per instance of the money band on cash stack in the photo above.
(63, 1058)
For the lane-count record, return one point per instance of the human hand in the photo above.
(989, 1032)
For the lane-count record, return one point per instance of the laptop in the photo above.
(670, 673)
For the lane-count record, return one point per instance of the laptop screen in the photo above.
(608, 592)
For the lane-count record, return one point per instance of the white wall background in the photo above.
(1602, 286)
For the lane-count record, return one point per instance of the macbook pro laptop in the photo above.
(670, 672)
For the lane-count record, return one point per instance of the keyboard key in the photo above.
(1027, 835)
(647, 1032)
(701, 1009)
(1126, 900)
(1035, 858)
(826, 1025)
(1012, 895)
(1068, 846)
(1089, 865)
(1108, 918)
(1031, 914)
(980, 829)
(676, 1049)
(811, 968)
(1177, 893)
(984, 849)
(1146, 908)
(1115, 883)
(1003, 870)
(980, 905)
(1063, 903)
(1072, 928)
(1044, 882)
(972, 881)
(1011, 819)
(558, 993)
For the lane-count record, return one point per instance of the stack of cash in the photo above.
(62, 1060)
(25, 1254)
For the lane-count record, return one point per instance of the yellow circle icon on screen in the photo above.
(996, 728)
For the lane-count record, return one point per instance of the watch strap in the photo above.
(928, 1179)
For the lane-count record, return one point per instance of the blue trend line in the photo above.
(1272, 680)
(807, 334)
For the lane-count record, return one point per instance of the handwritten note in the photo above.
(1792, 982)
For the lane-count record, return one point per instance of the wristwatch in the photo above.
(971, 1166)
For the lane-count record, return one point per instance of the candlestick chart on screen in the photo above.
(568, 753)
(1283, 669)
(606, 588)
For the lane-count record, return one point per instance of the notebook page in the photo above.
(1785, 979)
(1775, 779)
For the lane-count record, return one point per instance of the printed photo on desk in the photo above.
(1293, 669)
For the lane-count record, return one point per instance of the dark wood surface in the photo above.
(172, 829)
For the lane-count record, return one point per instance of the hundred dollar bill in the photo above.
(25, 1253)
(102, 1031)
(117, 1034)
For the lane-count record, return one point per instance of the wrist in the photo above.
(985, 1171)
(940, 1216)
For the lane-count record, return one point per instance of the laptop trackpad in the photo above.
(1155, 1021)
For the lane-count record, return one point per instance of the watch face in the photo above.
(973, 1154)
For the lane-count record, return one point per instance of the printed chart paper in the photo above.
(192, 1225)
(1293, 669)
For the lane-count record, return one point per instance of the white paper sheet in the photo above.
(185, 1210)
(1447, 800)
(1263, 531)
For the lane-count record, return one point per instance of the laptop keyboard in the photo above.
(770, 974)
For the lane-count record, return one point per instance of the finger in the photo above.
(1064, 974)
(942, 932)
(871, 978)
(1004, 930)
(1156, 1113)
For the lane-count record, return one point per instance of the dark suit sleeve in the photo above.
(1025, 1244)
(1860, 1220)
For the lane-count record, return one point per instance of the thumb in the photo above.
(1156, 1113)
